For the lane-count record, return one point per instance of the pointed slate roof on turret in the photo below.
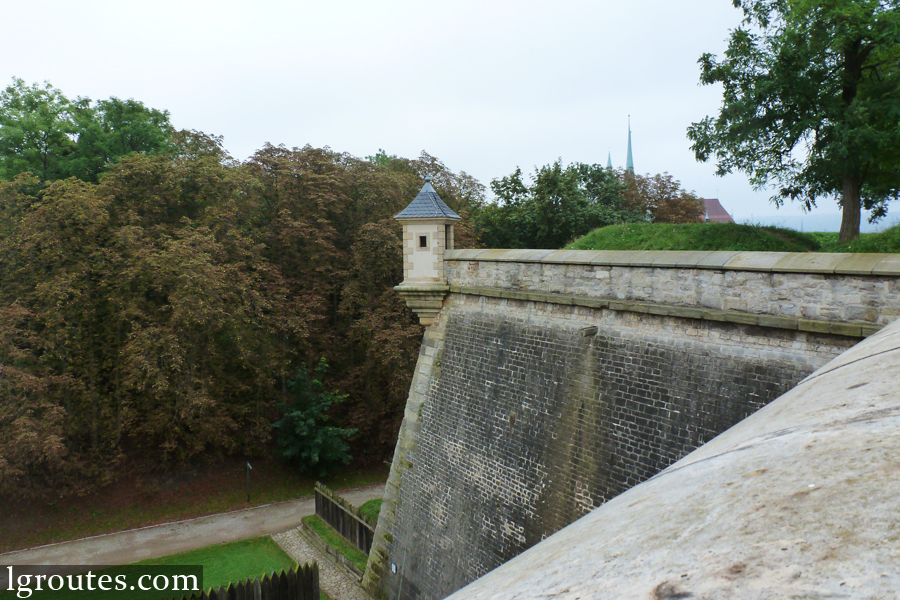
(609, 160)
(427, 205)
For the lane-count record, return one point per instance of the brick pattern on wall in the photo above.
(527, 420)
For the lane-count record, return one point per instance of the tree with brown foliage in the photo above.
(661, 198)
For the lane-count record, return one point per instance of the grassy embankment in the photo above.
(336, 541)
(729, 236)
(371, 508)
(138, 502)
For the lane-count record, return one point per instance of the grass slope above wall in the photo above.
(728, 236)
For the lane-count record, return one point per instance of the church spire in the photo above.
(609, 160)
(629, 161)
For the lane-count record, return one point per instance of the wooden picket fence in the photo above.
(300, 583)
(344, 518)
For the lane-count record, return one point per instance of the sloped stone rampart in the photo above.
(801, 500)
(551, 382)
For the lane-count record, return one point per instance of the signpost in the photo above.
(248, 481)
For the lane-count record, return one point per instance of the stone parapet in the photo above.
(774, 262)
(773, 289)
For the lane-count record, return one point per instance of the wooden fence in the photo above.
(301, 583)
(344, 518)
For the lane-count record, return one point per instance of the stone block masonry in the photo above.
(860, 289)
(530, 414)
(551, 382)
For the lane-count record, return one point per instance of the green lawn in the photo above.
(885, 241)
(729, 236)
(227, 563)
(371, 509)
(222, 564)
(336, 541)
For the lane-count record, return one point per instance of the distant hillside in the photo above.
(729, 236)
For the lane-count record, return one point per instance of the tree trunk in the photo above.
(850, 205)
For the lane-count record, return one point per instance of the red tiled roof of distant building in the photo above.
(715, 212)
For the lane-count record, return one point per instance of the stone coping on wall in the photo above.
(687, 312)
(775, 262)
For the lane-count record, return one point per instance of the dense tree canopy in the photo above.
(159, 314)
(811, 102)
(563, 203)
(161, 303)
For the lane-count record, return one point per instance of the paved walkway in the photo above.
(336, 582)
(181, 536)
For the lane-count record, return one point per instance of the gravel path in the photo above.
(333, 580)
(171, 538)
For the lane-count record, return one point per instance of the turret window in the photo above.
(423, 241)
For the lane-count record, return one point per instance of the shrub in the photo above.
(303, 437)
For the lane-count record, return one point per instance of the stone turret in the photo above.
(427, 232)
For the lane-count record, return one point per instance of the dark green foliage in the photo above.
(811, 102)
(153, 309)
(36, 128)
(560, 204)
(696, 236)
(303, 437)
(115, 128)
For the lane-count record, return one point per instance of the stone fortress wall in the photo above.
(551, 382)
(800, 500)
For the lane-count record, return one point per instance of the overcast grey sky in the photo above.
(484, 86)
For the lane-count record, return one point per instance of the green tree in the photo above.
(158, 315)
(303, 437)
(45, 133)
(811, 102)
(560, 204)
(115, 128)
(37, 130)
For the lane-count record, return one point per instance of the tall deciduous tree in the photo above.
(661, 198)
(47, 134)
(158, 315)
(37, 130)
(115, 128)
(811, 102)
